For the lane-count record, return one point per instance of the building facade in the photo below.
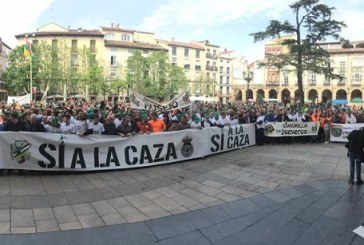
(210, 71)
(346, 59)
(4, 56)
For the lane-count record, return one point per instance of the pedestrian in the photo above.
(355, 153)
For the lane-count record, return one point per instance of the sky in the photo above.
(226, 23)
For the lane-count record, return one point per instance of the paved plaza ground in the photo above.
(274, 194)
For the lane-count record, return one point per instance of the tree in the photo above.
(153, 76)
(312, 23)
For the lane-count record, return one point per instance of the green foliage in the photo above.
(153, 76)
(304, 54)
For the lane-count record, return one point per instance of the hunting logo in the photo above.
(187, 147)
(20, 151)
(269, 129)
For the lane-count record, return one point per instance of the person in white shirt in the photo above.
(67, 127)
(195, 122)
(96, 126)
(118, 120)
(350, 118)
(53, 126)
(81, 123)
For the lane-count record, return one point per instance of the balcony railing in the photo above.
(211, 56)
(272, 83)
(211, 68)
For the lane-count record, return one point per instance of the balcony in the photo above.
(356, 82)
(211, 56)
(211, 68)
(312, 82)
(272, 83)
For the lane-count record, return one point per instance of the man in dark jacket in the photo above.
(35, 124)
(355, 154)
(15, 123)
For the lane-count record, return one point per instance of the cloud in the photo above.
(18, 17)
(207, 13)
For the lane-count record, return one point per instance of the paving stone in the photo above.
(20, 202)
(166, 203)
(138, 200)
(75, 197)
(277, 196)
(262, 200)
(5, 215)
(168, 191)
(103, 208)
(83, 209)
(22, 230)
(70, 226)
(46, 225)
(4, 227)
(119, 202)
(90, 220)
(22, 218)
(154, 211)
(132, 214)
(240, 208)
(58, 199)
(40, 201)
(282, 216)
(216, 214)
(113, 219)
(4, 201)
(64, 214)
(43, 214)
(188, 238)
(151, 195)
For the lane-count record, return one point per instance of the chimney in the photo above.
(112, 25)
(117, 26)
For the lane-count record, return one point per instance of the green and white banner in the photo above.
(280, 129)
(70, 152)
(340, 132)
(139, 101)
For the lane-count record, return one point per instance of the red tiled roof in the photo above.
(185, 45)
(81, 32)
(139, 45)
(122, 30)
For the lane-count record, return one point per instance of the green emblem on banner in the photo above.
(20, 151)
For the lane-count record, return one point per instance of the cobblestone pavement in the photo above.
(274, 194)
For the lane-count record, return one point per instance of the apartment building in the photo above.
(4, 55)
(113, 45)
(190, 57)
(346, 59)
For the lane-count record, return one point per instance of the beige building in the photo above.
(4, 55)
(347, 59)
(113, 45)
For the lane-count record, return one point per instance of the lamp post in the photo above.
(248, 76)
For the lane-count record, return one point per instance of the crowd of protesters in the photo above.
(112, 118)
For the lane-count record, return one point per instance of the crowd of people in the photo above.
(112, 118)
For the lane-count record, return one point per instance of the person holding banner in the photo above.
(355, 153)
(158, 125)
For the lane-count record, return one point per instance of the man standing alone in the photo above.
(355, 152)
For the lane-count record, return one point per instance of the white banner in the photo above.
(46, 151)
(141, 102)
(25, 99)
(340, 132)
(279, 129)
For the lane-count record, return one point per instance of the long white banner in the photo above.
(46, 151)
(340, 132)
(25, 99)
(141, 102)
(279, 129)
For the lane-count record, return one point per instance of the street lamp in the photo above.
(248, 76)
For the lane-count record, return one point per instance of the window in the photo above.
(197, 54)
(74, 46)
(197, 67)
(285, 78)
(227, 80)
(228, 70)
(214, 52)
(109, 36)
(174, 50)
(74, 60)
(113, 60)
(125, 37)
(221, 69)
(187, 66)
(221, 79)
(357, 74)
(93, 46)
(145, 51)
(54, 45)
(186, 52)
(342, 66)
(174, 59)
(312, 78)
